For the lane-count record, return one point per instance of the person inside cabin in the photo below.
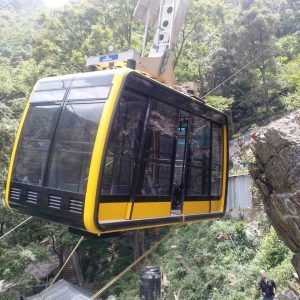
(266, 286)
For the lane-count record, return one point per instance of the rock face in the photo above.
(276, 173)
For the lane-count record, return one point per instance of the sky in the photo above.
(55, 3)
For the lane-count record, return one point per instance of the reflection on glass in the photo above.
(53, 84)
(96, 92)
(162, 127)
(198, 158)
(34, 144)
(44, 96)
(217, 160)
(94, 79)
(180, 155)
(124, 144)
(73, 146)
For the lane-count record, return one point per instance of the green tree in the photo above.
(219, 102)
(255, 35)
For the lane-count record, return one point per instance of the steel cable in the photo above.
(61, 269)
(237, 72)
(129, 267)
(13, 229)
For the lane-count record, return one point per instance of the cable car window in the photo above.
(33, 148)
(198, 162)
(53, 84)
(73, 146)
(217, 160)
(44, 96)
(161, 133)
(95, 92)
(124, 144)
(101, 78)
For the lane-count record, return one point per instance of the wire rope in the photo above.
(115, 279)
(61, 269)
(237, 72)
(5, 4)
(13, 229)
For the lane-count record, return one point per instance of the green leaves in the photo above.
(218, 39)
(13, 263)
(272, 251)
(223, 258)
(219, 102)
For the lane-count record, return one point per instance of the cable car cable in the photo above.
(5, 4)
(61, 269)
(13, 229)
(102, 290)
(237, 72)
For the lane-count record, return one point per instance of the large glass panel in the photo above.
(44, 96)
(73, 146)
(179, 162)
(98, 78)
(217, 160)
(124, 144)
(198, 157)
(54, 83)
(95, 92)
(29, 166)
(159, 147)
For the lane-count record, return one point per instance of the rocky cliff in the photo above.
(276, 173)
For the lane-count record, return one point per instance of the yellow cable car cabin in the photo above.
(114, 150)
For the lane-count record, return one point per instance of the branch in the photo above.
(184, 38)
(53, 245)
(184, 264)
(177, 295)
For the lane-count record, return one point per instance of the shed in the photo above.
(41, 270)
(239, 192)
(63, 290)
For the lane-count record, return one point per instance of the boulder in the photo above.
(287, 295)
(276, 173)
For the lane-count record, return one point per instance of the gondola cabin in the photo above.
(115, 150)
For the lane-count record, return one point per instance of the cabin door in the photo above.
(180, 157)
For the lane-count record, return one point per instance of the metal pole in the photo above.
(145, 33)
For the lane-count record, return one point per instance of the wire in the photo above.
(13, 229)
(129, 267)
(67, 260)
(240, 70)
(5, 4)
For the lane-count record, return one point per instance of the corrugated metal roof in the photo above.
(63, 290)
(42, 269)
(239, 193)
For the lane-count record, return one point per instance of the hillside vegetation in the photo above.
(217, 260)
(217, 41)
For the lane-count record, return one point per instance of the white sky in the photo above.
(55, 3)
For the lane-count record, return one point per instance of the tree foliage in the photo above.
(223, 259)
(244, 55)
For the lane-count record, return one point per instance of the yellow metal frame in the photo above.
(196, 207)
(98, 152)
(147, 210)
(13, 154)
(218, 205)
(112, 211)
